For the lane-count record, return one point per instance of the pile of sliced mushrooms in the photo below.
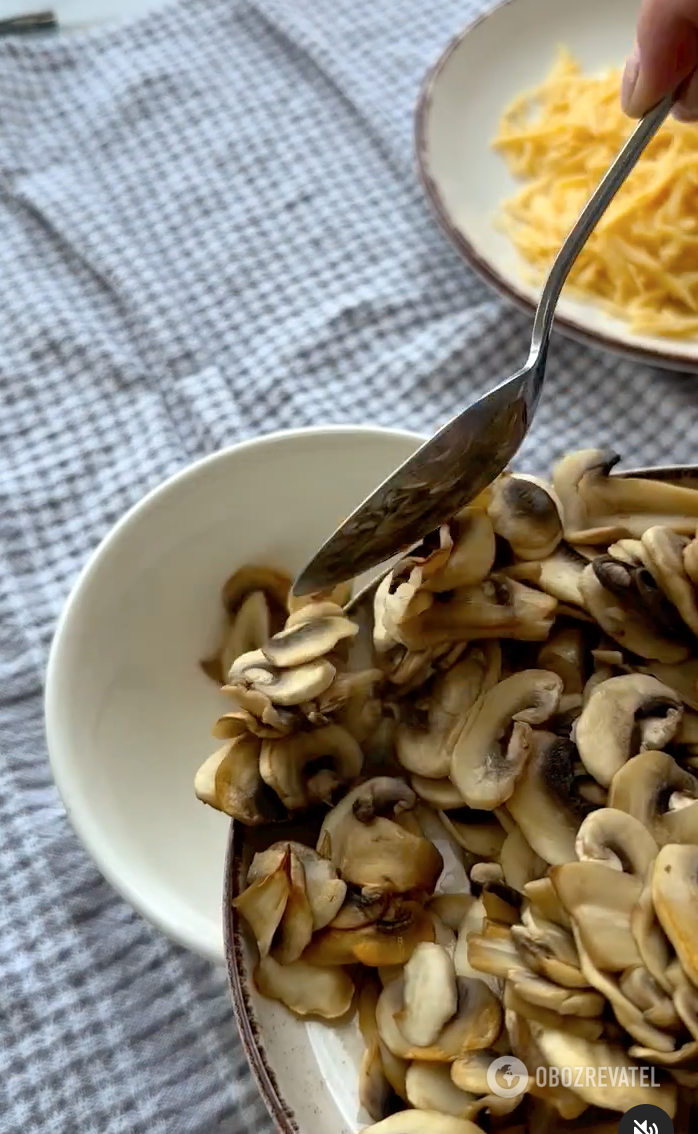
(524, 692)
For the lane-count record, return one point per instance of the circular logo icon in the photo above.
(507, 1077)
(646, 1119)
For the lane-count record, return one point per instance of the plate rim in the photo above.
(570, 327)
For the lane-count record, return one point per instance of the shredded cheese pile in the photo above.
(641, 263)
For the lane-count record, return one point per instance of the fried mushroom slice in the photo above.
(305, 642)
(558, 575)
(479, 832)
(524, 512)
(563, 1049)
(475, 1025)
(285, 687)
(377, 1094)
(307, 990)
(661, 794)
(665, 554)
(442, 795)
(230, 781)
(618, 840)
(430, 1087)
(625, 715)
(430, 996)
(675, 898)
(600, 901)
(483, 772)
(389, 941)
(564, 653)
(423, 1122)
(308, 766)
(625, 602)
(326, 891)
(599, 508)
(544, 804)
(520, 863)
(370, 849)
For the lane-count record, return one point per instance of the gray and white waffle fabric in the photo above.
(210, 227)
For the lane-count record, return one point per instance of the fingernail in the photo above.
(629, 82)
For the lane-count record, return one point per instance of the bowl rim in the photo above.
(568, 325)
(81, 819)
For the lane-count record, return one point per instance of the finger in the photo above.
(666, 52)
(687, 108)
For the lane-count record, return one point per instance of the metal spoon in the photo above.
(473, 448)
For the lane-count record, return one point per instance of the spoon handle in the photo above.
(588, 219)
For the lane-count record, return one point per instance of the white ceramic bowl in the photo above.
(128, 709)
(501, 54)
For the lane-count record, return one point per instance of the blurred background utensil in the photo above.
(472, 449)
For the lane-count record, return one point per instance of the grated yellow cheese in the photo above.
(641, 263)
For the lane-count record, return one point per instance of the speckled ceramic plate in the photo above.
(480, 72)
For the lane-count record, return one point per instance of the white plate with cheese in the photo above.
(464, 104)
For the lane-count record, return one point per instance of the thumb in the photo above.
(665, 54)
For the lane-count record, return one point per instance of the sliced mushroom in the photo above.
(305, 642)
(264, 902)
(623, 506)
(623, 611)
(675, 897)
(483, 873)
(325, 889)
(452, 908)
(665, 549)
(377, 1094)
(558, 575)
(389, 941)
(430, 1087)
(536, 990)
(543, 897)
(273, 583)
(544, 804)
(249, 629)
(618, 840)
(520, 863)
(478, 832)
(564, 1102)
(442, 795)
(589, 1028)
(600, 901)
(330, 754)
(307, 990)
(624, 715)
(230, 781)
(661, 794)
(492, 951)
(472, 553)
(562, 1049)
(430, 996)
(564, 654)
(475, 1025)
(640, 987)
(524, 511)
(484, 774)
(286, 687)
(548, 949)
(423, 1122)
(338, 596)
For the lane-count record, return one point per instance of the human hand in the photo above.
(666, 53)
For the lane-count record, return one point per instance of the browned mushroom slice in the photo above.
(475, 1025)
(484, 774)
(675, 897)
(665, 549)
(659, 793)
(624, 715)
(591, 498)
(423, 1122)
(682, 678)
(430, 1087)
(520, 863)
(430, 995)
(293, 766)
(558, 575)
(543, 897)
(325, 889)
(548, 949)
(442, 795)
(566, 1104)
(249, 629)
(307, 990)
(305, 642)
(563, 1049)
(493, 951)
(639, 986)
(377, 1093)
(618, 840)
(478, 832)
(371, 850)
(630, 608)
(390, 941)
(544, 803)
(338, 596)
(285, 687)
(564, 653)
(472, 553)
(231, 782)
(600, 900)
(525, 513)
(263, 903)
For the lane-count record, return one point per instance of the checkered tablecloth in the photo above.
(210, 227)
